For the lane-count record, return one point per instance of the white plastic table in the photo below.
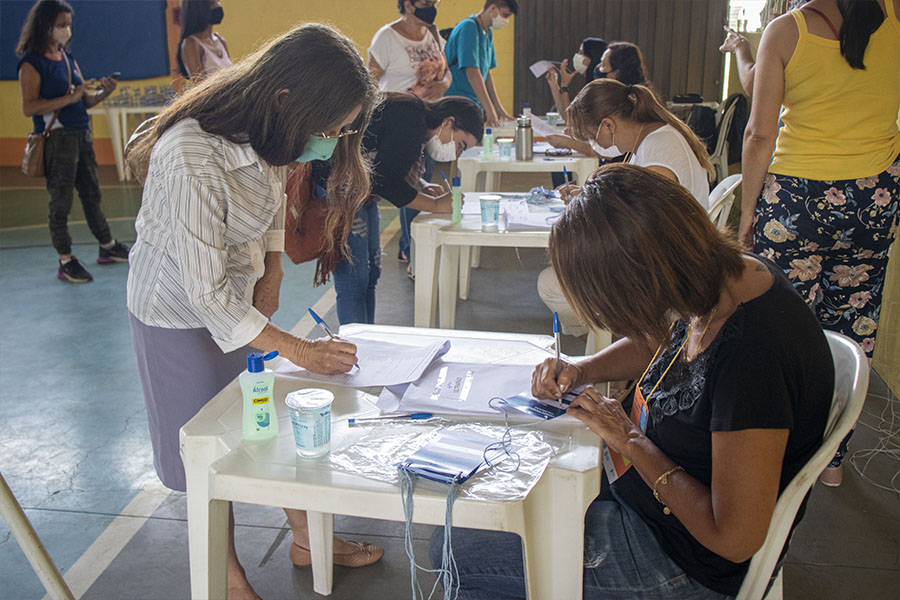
(471, 163)
(220, 468)
(117, 117)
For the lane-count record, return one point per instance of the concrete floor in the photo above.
(75, 448)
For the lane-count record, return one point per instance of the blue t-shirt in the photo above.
(468, 46)
(55, 83)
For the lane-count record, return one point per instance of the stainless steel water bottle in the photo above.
(524, 139)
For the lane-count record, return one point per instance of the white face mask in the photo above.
(61, 35)
(578, 63)
(499, 22)
(440, 151)
(611, 152)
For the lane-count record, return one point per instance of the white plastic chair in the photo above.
(851, 382)
(719, 156)
(721, 199)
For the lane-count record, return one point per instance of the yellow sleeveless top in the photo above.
(840, 122)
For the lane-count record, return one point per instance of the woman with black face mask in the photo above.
(200, 50)
(408, 56)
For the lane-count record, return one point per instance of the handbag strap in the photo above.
(56, 114)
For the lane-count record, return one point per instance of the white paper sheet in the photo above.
(518, 210)
(456, 388)
(542, 129)
(539, 69)
(380, 363)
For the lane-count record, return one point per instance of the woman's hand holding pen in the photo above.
(326, 356)
(545, 385)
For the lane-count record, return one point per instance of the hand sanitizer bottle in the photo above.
(258, 386)
(456, 201)
(526, 110)
(487, 142)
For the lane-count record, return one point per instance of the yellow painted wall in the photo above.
(249, 23)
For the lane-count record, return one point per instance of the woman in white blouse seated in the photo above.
(621, 119)
(206, 266)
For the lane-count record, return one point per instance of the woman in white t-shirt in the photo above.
(408, 54)
(621, 119)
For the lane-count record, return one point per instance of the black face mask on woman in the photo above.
(426, 14)
(216, 15)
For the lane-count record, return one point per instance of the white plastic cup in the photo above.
(311, 419)
(552, 118)
(506, 149)
(490, 213)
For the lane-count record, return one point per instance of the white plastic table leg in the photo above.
(426, 268)
(450, 266)
(31, 545)
(491, 181)
(554, 549)
(216, 563)
(597, 340)
(321, 548)
(465, 272)
(113, 118)
(476, 257)
(197, 455)
(468, 177)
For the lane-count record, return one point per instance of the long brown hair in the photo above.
(35, 36)
(604, 98)
(326, 80)
(634, 247)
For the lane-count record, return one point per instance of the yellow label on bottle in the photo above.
(262, 400)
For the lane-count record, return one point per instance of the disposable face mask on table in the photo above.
(317, 148)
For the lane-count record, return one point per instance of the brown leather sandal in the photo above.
(363, 554)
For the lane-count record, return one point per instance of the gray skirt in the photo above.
(181, 370)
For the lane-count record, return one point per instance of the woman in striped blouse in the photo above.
(206, 266)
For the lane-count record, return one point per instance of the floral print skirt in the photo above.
(832, 239)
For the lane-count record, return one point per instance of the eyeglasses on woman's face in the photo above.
(338, 135)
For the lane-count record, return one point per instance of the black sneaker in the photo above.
(117, 254)
(73, 272)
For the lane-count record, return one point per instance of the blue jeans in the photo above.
(408, 214)
(355, 279)
(622, 559)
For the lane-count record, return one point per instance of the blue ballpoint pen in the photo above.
(447, 183)
(321, 323)
(556, 342)
(411, 417)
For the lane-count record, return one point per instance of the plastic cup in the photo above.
(311, 420)
(552, 118)
(490, 213)
(506, 149)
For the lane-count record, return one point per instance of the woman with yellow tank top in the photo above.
(825, 209)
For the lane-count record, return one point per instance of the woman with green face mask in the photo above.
(206, 266)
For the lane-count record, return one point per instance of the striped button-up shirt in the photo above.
(211, 209)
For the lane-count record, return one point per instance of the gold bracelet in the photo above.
(663, 480)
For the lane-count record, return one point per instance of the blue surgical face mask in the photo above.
(317, 148)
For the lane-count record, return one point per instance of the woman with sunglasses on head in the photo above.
(403, 130)
(617, 119)
(734, 386)
(201, 51)
(206, 266)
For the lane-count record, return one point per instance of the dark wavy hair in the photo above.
(861, 19)
(326, 80)
(35, 36)
(194, 19)
(633, 247)
(627, 59)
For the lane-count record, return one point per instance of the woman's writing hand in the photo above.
(559, 141)
(433, 189)
(545, 385)
(567, 191)
(327, 356)
(605, 417)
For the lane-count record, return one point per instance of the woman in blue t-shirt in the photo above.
(55, 95)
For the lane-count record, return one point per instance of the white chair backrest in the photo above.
(721, 199)
(851, 383)
(719, 155)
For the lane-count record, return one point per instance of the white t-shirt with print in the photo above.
(666, 147)
(402, 58)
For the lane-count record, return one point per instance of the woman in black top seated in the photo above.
(738, 380)
(402, 130)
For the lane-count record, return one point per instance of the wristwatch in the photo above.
(563, 89)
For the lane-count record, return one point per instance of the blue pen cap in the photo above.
(255, 360)
(456, 182)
